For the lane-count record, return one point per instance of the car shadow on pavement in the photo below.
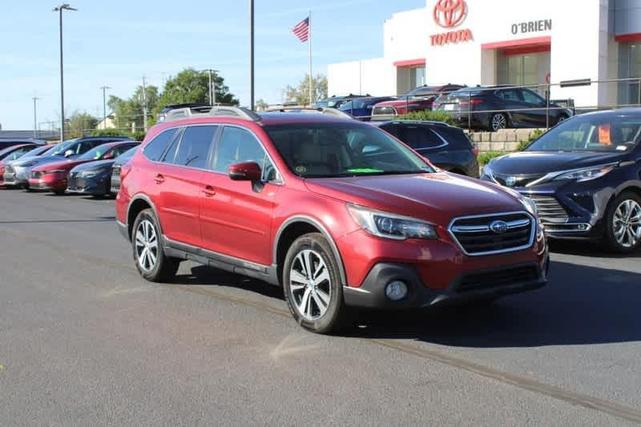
(587, 248)
(201, 275)
(580, 305)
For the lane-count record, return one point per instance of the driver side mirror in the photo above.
(69, 153)
(246, 171)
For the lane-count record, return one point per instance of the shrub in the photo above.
(485, 157)
(534, 135)
(139, 135)
(436, 116)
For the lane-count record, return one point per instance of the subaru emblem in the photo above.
(498, 227)
(510, 181)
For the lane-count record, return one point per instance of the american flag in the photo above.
(301, 30)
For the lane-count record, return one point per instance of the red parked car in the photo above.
(337, 212)
(53, 176)
(419, 99)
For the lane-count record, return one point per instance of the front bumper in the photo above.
(470, 286)
(50, 182)
(96, 186)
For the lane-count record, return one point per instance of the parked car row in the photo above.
(82, 165)
(488, 108)
(343, 214)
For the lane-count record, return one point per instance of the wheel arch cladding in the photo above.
(136, 206)
(292, 230)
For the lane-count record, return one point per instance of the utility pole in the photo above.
(251, 54)
(144, 104)
(212, 85)
(60, 9)
(35, 118)
(104, 106)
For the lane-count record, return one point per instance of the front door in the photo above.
(236, 216)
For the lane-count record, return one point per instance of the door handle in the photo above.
(159, 179)
(209, 191)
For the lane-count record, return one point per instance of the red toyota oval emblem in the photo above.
(450, 13)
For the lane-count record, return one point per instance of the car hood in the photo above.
(435, 197)
(59, 165)
(37, 161)
(544, 162)
(95, 165)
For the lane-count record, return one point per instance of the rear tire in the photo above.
(59, 192)
(623, 223)
(149, 254)
(312, 285)
(498, 121)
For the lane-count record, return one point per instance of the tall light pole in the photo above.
(59, 9)
(104, 106)
(35, 118)
(251, 54)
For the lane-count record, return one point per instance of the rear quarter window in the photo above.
(455, 137)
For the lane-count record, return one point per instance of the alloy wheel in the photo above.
(498, 122)
(627, 224)
(310, 284)
(146, 245)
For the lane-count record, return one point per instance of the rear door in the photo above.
(236, 216)
(179, 178)
(512, 105)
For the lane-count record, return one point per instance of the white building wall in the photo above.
(376, 77)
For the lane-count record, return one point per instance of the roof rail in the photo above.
(329, 111)
(212, 111)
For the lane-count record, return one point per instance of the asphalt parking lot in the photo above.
(84, 340)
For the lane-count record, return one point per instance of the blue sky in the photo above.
(116, 42)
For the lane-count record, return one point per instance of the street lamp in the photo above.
(104, 106)
(212, 85)
(59, 9)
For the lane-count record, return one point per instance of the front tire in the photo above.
(623, 226)
(312, 285)
(149, 255)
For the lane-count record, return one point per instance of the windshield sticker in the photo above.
(300, 169)
(364, 170)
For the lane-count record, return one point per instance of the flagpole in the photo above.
(311, 78)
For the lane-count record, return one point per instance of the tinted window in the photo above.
(420, 137)
(532, 98)
(120, 149)
(509, 95)
(155, 149)
(194, 147)
(455, 137)
(238, 145)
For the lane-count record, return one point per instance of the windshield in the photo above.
(343, 150)
(95, 153)
(38, 151)
(60, 149)
(598, 132)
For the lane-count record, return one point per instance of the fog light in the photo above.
(396, 290)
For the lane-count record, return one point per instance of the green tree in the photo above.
(191, 86)
(261, 105)
(130, 111)
(300, 93)
(80, 124)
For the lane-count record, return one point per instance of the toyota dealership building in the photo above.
(513, 42)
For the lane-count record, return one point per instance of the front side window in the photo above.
(509, 95)
(156, 148)
(238, 145)
(599, 132)
(343, 150)
(194, 147)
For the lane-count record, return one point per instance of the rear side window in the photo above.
(421, 137)
(509, 95)
(455, 137)
(156, 148)
(194, 147)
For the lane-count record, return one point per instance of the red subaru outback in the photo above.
(337, 212)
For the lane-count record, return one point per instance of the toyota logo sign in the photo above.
(450, 13)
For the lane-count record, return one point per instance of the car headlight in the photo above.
(529, 205)
(586, 174)
(89, 174)
(392, 226)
